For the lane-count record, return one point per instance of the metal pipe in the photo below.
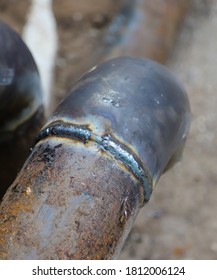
(21, 110)
(95, 163)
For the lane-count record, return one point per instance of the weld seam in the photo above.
(83, 134)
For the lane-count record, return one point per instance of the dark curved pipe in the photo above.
(95, 163)
(21, 110)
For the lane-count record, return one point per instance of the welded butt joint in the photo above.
(105, 143)
(142, 134)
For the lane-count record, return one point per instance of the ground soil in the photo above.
(179, 222)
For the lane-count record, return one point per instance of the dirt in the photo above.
(80, 27)
(14, 14)
(179, 221)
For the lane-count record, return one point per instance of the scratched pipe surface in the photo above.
(21, 110)
(95, 163)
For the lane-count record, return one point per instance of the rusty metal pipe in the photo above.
(21, 110)
(95, 163)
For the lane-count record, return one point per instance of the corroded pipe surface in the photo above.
(21, 110)
(95, 163)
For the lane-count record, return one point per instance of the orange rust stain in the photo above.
(179, 251)
(8, 219)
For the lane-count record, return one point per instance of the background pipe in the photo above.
(21, 110)
(145, 28)
(95, 163)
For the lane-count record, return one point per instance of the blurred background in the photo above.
(68, 37)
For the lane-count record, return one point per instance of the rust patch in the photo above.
(8, 219)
